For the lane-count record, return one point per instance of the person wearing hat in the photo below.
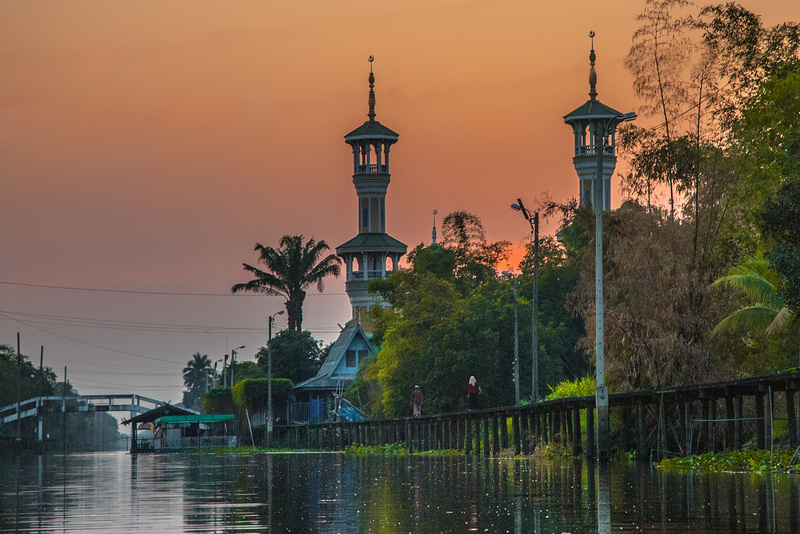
(416, 401)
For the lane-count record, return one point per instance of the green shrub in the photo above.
(580, 387)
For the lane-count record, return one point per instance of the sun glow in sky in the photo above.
(147, 146)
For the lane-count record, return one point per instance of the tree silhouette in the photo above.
(289, 270)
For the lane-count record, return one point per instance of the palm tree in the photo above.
(289, 271)
(766, 311)
(195, 375)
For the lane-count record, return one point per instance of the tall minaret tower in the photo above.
(594, 125)
(372, 254)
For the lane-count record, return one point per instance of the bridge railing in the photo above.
(35, 406)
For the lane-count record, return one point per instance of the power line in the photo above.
(159, 293)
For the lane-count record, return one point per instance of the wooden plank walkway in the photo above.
(655, 424)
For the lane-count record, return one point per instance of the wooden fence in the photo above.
(757, 412)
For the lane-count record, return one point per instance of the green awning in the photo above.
(202, 418)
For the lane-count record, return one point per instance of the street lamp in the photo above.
(516, 338)
(233, 359)
(269, 377)
(533, 220)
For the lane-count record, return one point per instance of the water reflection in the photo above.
(328, 493)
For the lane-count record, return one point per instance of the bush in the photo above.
(580, 387)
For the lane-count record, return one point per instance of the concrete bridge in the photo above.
(39, 406)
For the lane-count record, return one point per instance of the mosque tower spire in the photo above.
(594, 127)
(372, 254)
(433, 233)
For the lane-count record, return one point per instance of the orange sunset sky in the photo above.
(145, 147)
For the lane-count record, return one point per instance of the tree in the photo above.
(475, 259)
(762, 332)
(195, 378)
(295, 355)
(450, 317)
(654, 335)
(658, 60)
(765, 309)
(290, 270)
(781, 223)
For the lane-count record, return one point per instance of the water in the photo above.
(331, 493)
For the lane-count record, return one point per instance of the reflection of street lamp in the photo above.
(233, 359)
(516, 338)
(533, 220)
(269, 377)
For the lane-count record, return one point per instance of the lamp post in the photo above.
(516, 338)
(269, 377)
(533, 220)
(233, 359)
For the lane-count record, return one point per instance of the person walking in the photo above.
(472, 393)
(416, 401)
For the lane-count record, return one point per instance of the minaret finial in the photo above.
(433, 234)
(371, 113)
(592, 72)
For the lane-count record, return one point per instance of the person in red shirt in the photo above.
(472, 393)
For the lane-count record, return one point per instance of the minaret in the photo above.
(594, 126)
(372, 254)
(433, 233)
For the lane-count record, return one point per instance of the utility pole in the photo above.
(533, 220)
(269, 377)
(18, 433)
(601, 396)
(535, 314)
(516, 344)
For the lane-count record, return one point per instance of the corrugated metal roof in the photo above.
(202, 418)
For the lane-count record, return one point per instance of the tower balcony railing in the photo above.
(591, 150)
(370, 275)
(372, 169)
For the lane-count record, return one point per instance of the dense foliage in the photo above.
(713, 184)
(296, 355)
(452, 317)
(21, 380)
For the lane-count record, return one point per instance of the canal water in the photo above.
(332, 493)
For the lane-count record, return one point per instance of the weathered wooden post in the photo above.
(791, 414)
(487, 431)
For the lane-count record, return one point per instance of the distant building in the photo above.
(372, 254)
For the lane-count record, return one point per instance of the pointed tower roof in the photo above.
(371, 129)
(593, 108)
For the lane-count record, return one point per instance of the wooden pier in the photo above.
(654, 424)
